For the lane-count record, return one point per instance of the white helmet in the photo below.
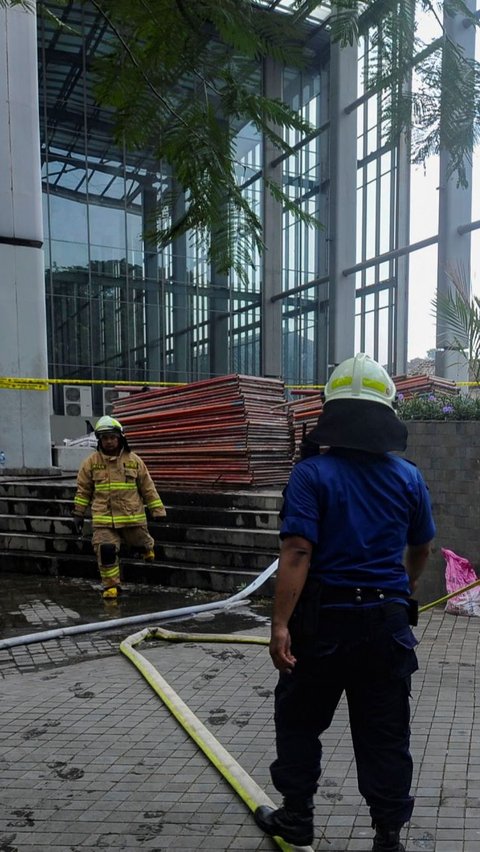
(360, 378)
(108, 424)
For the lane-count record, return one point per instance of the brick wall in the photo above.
(448, 455)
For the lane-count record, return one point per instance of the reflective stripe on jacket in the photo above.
(117, 488)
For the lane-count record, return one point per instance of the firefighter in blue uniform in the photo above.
(356, 534)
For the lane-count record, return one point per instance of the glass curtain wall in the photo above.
(104, 286)
(411, 220)
(197, 317)
(245, 304)
(119, 309)
(304, 248)
(377, 216)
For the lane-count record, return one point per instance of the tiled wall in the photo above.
(448, 455)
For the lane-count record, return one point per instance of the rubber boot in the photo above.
(149, 555)
(293, 821)
(110, 574)
(111, 593)
(387, 839)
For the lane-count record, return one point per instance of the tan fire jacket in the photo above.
(118, 489)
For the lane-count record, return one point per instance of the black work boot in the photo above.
(293, 821)
(387, 839)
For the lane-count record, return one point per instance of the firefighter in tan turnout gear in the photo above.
(117, 485)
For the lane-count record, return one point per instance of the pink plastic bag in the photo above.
(459, 572)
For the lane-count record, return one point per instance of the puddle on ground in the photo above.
(33, 603)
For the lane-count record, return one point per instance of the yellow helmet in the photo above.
(108, 424)
(360, 378)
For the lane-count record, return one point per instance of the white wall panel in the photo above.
(24, 415)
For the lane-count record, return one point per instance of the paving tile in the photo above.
(90, 758)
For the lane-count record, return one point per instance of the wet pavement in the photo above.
(91, 759)
(40, 602)
(32, 604)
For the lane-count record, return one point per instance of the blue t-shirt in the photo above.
(359, 510)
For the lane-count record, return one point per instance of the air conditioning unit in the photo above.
(77, 400)
(110, 396)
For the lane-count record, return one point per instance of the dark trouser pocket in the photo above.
(403, 657)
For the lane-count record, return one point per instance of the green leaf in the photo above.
(459, 314)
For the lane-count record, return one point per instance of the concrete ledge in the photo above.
(70, 458)
(28, 472)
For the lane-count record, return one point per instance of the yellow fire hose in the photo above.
(247, 789)
(242, 783)
(447, 597)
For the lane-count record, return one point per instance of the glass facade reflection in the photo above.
(305, 177)
(103, 283)
(120, 309)
(377, 217)
(245, 316)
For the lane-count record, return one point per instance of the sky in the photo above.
(424, 223)
(423, 264)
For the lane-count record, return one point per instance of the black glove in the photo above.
(78, 523)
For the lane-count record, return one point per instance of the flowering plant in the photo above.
(438, 407)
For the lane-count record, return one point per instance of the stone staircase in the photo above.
(219, 541)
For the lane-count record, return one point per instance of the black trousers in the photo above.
(368, 653)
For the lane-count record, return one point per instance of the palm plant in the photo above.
(178, 76)
(459, 315)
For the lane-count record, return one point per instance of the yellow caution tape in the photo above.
(21, 383)
(13, 383)
(17, 383)
(305, 387)
(113, 383)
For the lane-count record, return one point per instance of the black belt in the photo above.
(355, 596)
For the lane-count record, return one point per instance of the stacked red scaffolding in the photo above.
(305, 413)
(424, 385)
(232, 431)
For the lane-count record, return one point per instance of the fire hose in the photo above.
(227, 766)
(245, 787)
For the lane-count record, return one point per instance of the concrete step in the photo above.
(54, 525)
(212, 555)
(211, 540)
(57, 489)
(64, 490)
(13, 505)
(189, 515)
(162, 532)
(191, 576)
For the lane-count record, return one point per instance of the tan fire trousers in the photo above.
(135, 537)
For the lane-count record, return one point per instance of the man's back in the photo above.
(359, 510)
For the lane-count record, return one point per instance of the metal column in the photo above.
(455, 208)
(24, 414)
(218, 314)
(181, 334)
(400, 354)
(343, 196)
(271, 320)
(154, 334)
